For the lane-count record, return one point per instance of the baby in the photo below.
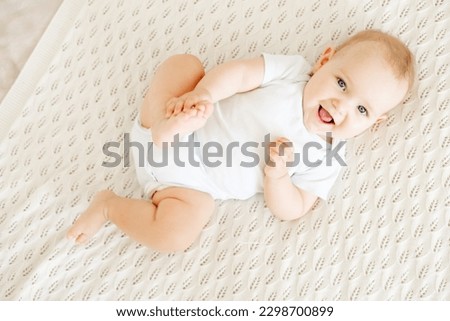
(239, 103)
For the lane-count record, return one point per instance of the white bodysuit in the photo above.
(230, 155)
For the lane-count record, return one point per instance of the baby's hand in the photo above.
(280, 154)
(195, 101)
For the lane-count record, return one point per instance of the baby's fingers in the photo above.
(170, 106)
(178, 107)
(273, 151)
(190, 102)
(277, 160)
(281, 153)
(275, 156)
(285, 148)
(282, 139)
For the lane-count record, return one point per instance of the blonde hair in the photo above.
(396, 53)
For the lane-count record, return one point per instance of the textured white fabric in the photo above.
(384, 233)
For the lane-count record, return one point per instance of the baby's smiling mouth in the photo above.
(325, 116)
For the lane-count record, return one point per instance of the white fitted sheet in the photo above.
(383, 235)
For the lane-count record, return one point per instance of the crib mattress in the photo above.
(384, 234)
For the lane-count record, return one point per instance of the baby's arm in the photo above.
(233, 77)
(285, 200)
(221, 82)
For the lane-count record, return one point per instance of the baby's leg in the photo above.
(176, 76)
(170, 222)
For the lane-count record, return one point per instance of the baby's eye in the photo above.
(341, 84)
(362, 110)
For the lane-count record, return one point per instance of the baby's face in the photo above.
(350, 91)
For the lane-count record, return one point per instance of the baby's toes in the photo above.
(80, 233)
(82, 238)
(191, 112)
(200, 107)
(74, 232)
(82, 226)
(71, 235)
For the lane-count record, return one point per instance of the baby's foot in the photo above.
(92, 219)
(182, 123)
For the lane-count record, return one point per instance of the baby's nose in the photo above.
(339, 107)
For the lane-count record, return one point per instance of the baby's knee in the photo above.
(186, 212)
(187, 62)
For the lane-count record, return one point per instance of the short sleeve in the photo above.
(319, 180)
(286, 67)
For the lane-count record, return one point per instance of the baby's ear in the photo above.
(324, 58)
